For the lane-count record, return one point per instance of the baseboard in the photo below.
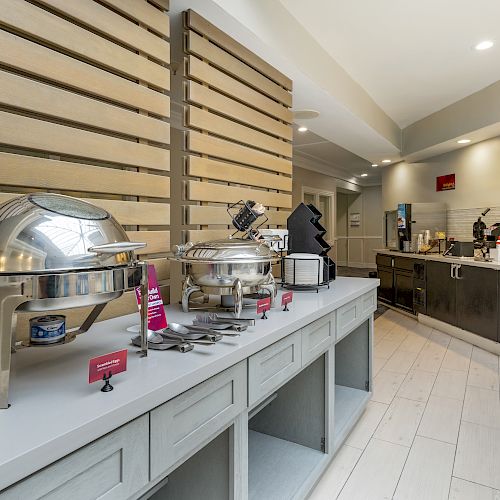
(472, 338)
(361, 265)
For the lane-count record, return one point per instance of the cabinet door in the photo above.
(114, 467)
(441, 292)
(385, 290)
(403, 289)
(477, 301)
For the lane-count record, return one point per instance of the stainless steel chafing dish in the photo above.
(58, 252)
(230, 268)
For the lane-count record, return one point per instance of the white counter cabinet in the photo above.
(275, 407)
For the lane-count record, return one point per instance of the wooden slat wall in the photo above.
(84, 111)
(238, 117)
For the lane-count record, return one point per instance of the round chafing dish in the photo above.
(218, 263)
(227, 267)
(59, 252)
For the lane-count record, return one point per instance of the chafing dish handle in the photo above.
(118, 247)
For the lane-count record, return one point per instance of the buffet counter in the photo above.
(55, 411)
(436, 257)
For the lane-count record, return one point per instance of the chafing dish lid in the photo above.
(48, 232)
(229, 250)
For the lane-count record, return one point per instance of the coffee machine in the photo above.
(402, 226)
(485, 237)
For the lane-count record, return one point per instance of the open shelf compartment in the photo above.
(286, 440)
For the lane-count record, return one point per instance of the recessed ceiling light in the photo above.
(302, 129)
(364, 175)
(386, 161)
(463, 141)
(374, 164)
(484, 45)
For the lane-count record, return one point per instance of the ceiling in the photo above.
(314, 148)
(412, 57)
(392, 79)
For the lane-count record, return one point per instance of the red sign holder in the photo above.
(286, 299)
(103, 367)
(263, 305)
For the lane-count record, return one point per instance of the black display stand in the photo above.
(305, 235)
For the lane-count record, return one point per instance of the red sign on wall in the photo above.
(445, 182)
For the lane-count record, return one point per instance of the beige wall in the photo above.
(302, 177)
(355, 244)
(352, 245)
(477, 174)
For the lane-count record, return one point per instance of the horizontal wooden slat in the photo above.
(33, 96)
(157, 241)
(36, 172)
(213, 169)
(29, 133)
(30, 57)
(135, 213)
(163, 4)
(209, 122)
(125, 212)
(224, 105)
(203, 48)
(198, 23)
(207, 215)
(219, 80)
(206, 191)
(38, 23)
(113, 25)
(143, 13)
(196, 235)
(213, 146)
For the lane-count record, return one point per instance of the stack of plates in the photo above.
(307, 270)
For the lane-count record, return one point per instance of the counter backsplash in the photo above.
(460, 221)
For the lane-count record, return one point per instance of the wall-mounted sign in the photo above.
(355, 219)
(445, 182)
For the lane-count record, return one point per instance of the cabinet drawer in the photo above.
(179, 426)
(384, 260)
(272, 366)
(403, 263)
(112, 468)
(347, 317)
(368, 302)
(317, 337)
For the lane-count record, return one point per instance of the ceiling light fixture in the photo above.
(386, 161)
(302, 129)
(374, 164)
(484, 45)
(364, 175)
(463, 141)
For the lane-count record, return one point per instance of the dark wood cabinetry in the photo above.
(403, 289)
(386, 288)
(441, 292)
(461, 295)
(477, 301)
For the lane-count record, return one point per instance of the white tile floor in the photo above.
(432, 429)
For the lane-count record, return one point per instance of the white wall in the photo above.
(355, 244)
(477, 175)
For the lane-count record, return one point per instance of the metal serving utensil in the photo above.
(190, 330)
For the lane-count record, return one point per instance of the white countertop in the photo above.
(55, 411)
(468, 261)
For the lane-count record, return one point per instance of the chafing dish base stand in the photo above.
(13, 297)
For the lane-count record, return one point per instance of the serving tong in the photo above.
(212, 318)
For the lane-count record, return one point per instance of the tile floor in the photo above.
(432, 428)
